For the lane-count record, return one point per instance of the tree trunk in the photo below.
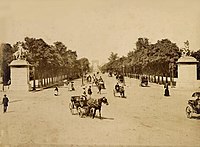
(158, 82)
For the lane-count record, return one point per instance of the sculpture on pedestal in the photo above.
(19, 69)
(187, 69)
(185, 50)
(21, 53)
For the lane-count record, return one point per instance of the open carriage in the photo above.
(102, 84)
(193, 106)
(120, 78)
(120, 92)
(85, 107)
(75, 103)
(144, 81)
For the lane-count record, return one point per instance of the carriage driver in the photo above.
(84, 94)
(117, 87)
(122, 91)
(197, 103)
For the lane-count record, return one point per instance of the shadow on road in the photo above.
(104, 118)
(15, 101)
(145, 86)
(10, 111)
(124, 97)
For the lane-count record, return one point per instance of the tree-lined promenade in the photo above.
(48, 61)
(144, 118)
(150, 59)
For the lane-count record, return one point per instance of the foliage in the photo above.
(147, 58)
(84, 64)
(48, 60)
(6, 58)
(113, 57)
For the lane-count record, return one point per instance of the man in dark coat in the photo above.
(90, 91)
(5, 103)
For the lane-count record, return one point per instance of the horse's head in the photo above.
(104, 100)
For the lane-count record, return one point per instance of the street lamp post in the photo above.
(171, 72)
(123, 69)
(123, 75)
(82, 75)
(172, 75)
(34, 87)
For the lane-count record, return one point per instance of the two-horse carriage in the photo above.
(86, 107)
(193, 106)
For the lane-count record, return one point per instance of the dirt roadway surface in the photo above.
(145, 117)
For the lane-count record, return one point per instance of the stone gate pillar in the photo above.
(19, 75)
(187, 73)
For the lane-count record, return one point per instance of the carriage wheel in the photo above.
(80, 113)
(71, 108)
(91, 113)
(189, 112)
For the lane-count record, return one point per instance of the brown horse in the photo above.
(96, 105)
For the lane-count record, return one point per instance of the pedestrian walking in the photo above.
(99, 88)
(5, 103)
(56, 91)
(84, 91)
(72, 87)
(166, 90)
(89, 91)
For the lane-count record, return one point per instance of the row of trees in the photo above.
(150, 59)
(48, 60)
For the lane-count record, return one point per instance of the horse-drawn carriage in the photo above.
(144, 81)
(99, 83)
(193, 106)
(102, 84)
(120, 78)
(71, 86)
(75, 103)
(110, 74)
(119, 91)
(86, 107)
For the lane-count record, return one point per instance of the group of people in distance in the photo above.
(100, 85)
(70, 88)
(88, 93)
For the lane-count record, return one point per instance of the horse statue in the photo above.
(21, 53)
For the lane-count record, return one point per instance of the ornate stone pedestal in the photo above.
(187, 73)
(19, 75)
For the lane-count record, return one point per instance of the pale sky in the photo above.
(95, 28)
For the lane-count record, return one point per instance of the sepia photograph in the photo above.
(95, 73)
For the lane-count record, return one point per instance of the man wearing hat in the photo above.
(5, 103)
